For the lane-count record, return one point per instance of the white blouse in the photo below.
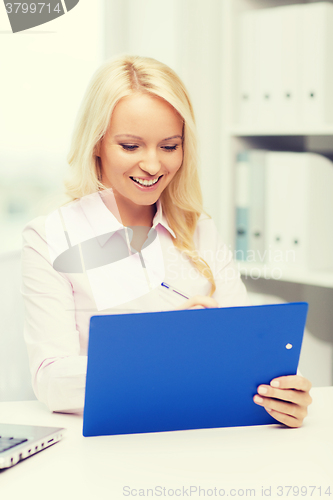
(62, 290)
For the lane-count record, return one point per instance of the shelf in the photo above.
(242, 131)
(312, 137)
(264, 271)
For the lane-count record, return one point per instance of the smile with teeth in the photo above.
(144, 182)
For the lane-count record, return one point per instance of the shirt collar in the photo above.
(100, 218)
(104, 222)
(160, 218)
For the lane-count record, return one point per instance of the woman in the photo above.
(134, 180)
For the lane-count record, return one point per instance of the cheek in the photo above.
(116, 163)
(175, 163)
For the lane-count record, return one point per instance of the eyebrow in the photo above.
(140, 138)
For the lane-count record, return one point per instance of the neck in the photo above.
(142, 216)
(129, 214)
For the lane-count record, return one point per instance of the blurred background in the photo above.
(44, 74)
(46, 70)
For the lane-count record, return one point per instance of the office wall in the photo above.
(44, 73)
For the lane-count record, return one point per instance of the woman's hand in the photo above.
(286, 399)
(198, 302)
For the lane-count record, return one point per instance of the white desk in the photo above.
(239, 457)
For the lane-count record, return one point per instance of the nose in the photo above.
(150, 163)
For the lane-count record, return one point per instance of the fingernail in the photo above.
(269, 410)
(258, 399)
(275, 383)
(262, 390)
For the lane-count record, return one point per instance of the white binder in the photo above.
(242, 205)
(291, 49)
(278, 193)
(299, 208)
(257, 234)
(317, 64)
(286, 63)
(269, 57)
(293, 183)
(319, 212)
(250, 197)
(246, 68)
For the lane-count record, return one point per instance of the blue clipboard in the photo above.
(190, 369)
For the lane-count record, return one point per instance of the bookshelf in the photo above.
(236, 137)
(239, 131)
(259, 270)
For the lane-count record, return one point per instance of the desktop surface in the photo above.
(117, 467)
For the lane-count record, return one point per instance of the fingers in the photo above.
(286, 419)
(292, 382)
(286, 399)
(289, 414)
(293, 396)
(199, 302)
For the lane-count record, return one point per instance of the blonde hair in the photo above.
(117, 78)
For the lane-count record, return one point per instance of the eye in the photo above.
(170, 148)
(129, 147)
(134, 147)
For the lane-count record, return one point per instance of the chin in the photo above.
(149, 201)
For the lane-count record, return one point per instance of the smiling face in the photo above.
(140, 153)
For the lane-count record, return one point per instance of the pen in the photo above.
(173, 289)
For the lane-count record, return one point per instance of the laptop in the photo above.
(189, 369)
(18, 442)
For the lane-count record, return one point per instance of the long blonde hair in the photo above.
(117, 78)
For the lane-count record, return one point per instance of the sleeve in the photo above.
(230, 290)
(50, 330)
